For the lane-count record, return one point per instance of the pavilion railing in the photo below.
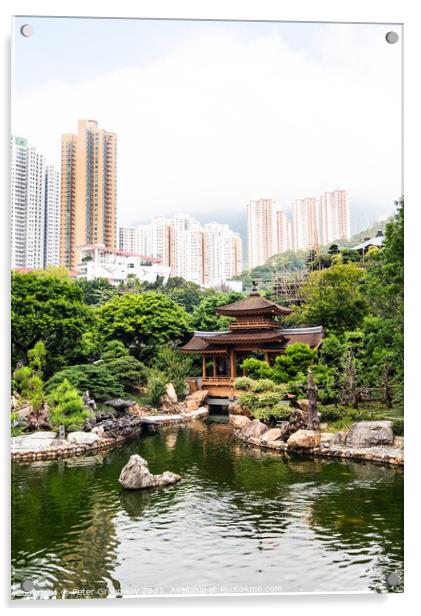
(217, 380)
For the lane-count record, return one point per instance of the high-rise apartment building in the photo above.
(334, 216)
(52, 217)
(208, 255)
(34, 208)
(260, 231)
(283, 232)
(127, 239)
(88, 190)
(188, 248)
(305, 226)
(222, 254)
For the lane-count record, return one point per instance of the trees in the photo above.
(144, 322)
(111, 376)
(27, 380)
(48, 308)
(66, 407)
(175, 367)
(205, 317)
(97, 291)
(335, 298)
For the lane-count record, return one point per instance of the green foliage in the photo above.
(205, 317)
(256, 368)
(114, 374)
(243, 382)
(27, 380)
(96, 292)
(156, 385)
(293, 364)
(15, 428)
(36, 358)
(49, 308)
(280, 411)
(185, 293)
(144, 323)
(66, 408)
(175, 368)
(95, 378)
(262, 385)
(334, 298)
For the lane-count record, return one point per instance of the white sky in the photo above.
(221, 113)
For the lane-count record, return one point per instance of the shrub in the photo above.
(175, 367)
(15, 427)
(280, 411)
(398, 426)
(67, 408)
(249, 400)
(256, 368)
(243, 382)
(262, 385)
(268, 398)
(98, 379)
(293, 363)
(156, 385)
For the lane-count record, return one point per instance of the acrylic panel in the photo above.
(207, 307)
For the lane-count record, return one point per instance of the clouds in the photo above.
(225, 118)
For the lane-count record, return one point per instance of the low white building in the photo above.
(97, 261)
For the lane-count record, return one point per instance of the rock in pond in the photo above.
(82, 438)
(370, 434)
(136, 475)
(239, 421)
(274, 434)
(254, 429)
(304, 439)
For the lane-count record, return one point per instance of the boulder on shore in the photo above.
(370, 434)
(254, 429)
(195, 400)
(136, 475)
(304, 439)
(239, 421)
(82, 438)
(274, 434)
(168, 402)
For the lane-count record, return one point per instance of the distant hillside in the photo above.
(291, 263)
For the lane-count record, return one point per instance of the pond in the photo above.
(241, 520)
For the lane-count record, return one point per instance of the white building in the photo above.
(334, 216)
(305, 224)
(116, 266)
(206, 255)
(283, 232)
(27, 205)
(222, 254)
(260, 231)
(188, 248)
(127, 239)
(52, 217)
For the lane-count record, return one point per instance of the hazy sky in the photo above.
(212, 114)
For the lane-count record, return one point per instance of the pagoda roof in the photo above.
(253, 304)
(276, 339)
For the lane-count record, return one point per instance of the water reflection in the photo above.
(239, 517)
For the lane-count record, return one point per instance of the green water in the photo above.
(240, 520)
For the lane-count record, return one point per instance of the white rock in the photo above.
(82, 438)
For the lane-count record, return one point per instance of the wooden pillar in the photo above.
(266, 356)
(214, 366)
(232, 365)
(204, 366)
